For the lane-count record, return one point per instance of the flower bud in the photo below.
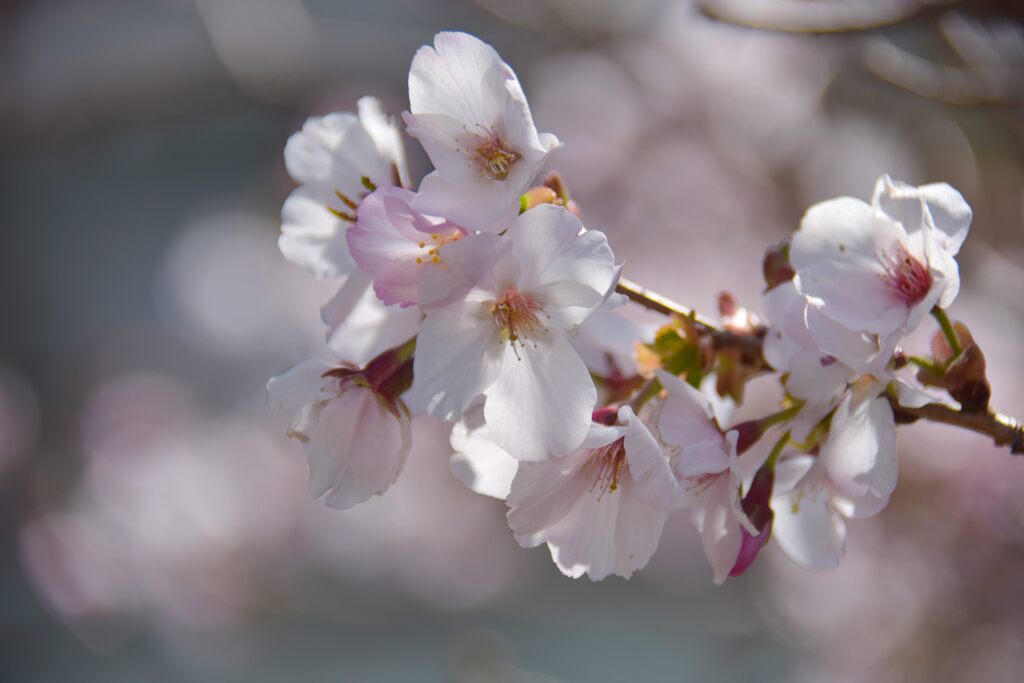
(776, 266)
(757, 507)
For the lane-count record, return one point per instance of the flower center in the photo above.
(516, 316)
(493, 157)
(605, 466)
(905, 276)
(432, 246)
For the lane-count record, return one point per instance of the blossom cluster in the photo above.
(480, 299)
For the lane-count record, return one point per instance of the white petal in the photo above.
(458, 356)
(301, 384)
(853, 349)
(806, 527)
(359, 326)
(638, 532)
(720, 531)
(312, 237)
(835, 254)
(860, 452)
(653, 481)
(356, 450)
(476, 203)
(332, 153)
(561, 267)
(542, 401)
(479, 462)
(460, 76)
(386, 135)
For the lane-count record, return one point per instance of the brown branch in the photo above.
(1002, 429)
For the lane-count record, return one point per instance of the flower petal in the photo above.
(542, 401)
(479, 462)
(312, 237)
(458, 356)
(301, 384)
(860, 452)
(654, 482)
(356, 450)
(835, 254)
(806, 527)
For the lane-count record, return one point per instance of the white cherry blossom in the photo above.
(601, 508)
(498, 321)
(330, 158)
(811, 512)
(707, 466)
(880, 268)
(469, 112)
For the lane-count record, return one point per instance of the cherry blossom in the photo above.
(337, 159)
(354, 431)
(600, 509)
(498, 323)
(391, 243)
(469, 112)
(853, 476)
(881, 268)
(708, 467)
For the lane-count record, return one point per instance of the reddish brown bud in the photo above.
(964, 376)
(607, 415)
(776, 266)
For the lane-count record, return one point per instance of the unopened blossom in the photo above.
(601, 508)
(337, 159)
(707, 465)
(469, 112)
(880, 268)
(352, 426)
(498, 322)
(392, 243)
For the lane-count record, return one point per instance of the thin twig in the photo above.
(1002, 429)
(749, 345)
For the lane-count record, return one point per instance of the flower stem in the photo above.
(948, 330)
(777, 449)
(926, 364)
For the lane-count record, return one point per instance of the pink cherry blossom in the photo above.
(392, 243)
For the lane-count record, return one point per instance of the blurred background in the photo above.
(154, 521)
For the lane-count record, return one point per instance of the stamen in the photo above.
(492, 156)
(605, 465)
(905, 276)
(516, 316)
